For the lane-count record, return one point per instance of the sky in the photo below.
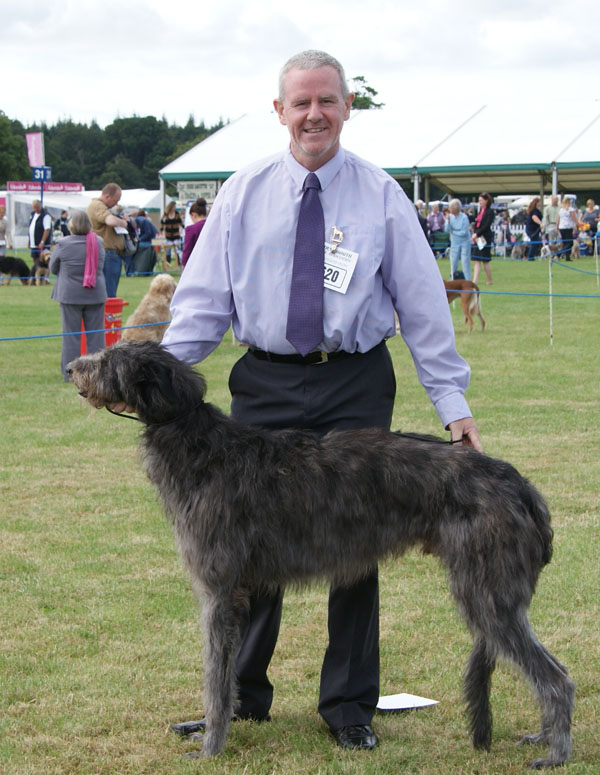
(97, 61)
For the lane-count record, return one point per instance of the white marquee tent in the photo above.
(19, 206)
(493, 147)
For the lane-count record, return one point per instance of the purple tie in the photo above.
(305, 313)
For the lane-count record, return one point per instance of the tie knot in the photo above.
(311, 181)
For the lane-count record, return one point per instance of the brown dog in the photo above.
(151, 318)
(42, 269)
(469, 299)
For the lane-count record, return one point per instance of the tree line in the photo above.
(129, 151)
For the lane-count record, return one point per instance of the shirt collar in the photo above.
(326, 173)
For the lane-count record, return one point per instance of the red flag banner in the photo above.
(27, 187)
(35, 148)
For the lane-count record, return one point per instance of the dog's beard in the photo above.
(91, 383)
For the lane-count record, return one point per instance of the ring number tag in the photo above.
(339, 267)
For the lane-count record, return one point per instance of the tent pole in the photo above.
(550, 299)
(415, 177)
(542, 187)
(162, 193)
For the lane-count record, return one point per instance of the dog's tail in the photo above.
(539, 513)
(475, 302)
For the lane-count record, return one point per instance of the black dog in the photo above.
(11, 266)
(257, 510)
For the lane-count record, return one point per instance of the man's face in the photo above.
(314, 111)
(37, 207)
(111, 201)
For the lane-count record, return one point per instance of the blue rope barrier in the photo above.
(547, 295)
(574, 268)
(135, 274)
(80, 333)
(166, 322)
(523, 293)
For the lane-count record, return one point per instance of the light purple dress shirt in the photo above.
(240, 272)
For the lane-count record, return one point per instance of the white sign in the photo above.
(339, 267)
(192, 189)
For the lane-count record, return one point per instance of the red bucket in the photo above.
(113, 315)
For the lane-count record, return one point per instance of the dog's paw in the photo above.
(539, 764)
(540, 738)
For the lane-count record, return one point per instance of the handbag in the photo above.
(130, 239)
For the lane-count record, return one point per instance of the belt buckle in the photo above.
(324, 358)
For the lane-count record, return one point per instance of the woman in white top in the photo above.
(566, 222)
(5, 240)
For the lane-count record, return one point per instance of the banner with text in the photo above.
(192, 189)
(31, 187)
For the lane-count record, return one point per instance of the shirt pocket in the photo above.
(364, 239)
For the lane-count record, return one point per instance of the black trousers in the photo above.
(566, 236)
(345, 393)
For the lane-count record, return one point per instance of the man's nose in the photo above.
(314, 111)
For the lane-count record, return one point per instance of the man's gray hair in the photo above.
(312, 60)
(79, 223)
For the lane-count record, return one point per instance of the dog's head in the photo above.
(163, 285)
(44, 259)
(142, 375)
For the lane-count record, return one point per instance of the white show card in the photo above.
(403, 702)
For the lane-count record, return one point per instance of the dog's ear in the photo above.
(154, 378)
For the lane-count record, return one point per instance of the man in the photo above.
(40, 231)
(243, 270)
(104, 223)
(551, 218)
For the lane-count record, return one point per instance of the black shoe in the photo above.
(356, 737)
(187, 728)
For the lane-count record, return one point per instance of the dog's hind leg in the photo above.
(551, 683)
(477, 309)
(477, 684)
(221, 621)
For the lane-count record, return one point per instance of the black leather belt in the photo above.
(312, 358)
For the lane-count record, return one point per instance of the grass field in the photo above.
(99, 648)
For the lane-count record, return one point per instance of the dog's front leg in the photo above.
(221, 620)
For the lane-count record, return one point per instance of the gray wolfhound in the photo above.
(254, 509)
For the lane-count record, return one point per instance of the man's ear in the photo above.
(348, 103)
(278, 105)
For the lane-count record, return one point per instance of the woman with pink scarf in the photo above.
(77, 261)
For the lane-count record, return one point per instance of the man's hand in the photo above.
(466, 430)
(121, 407)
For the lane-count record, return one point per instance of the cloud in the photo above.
(79, 59)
